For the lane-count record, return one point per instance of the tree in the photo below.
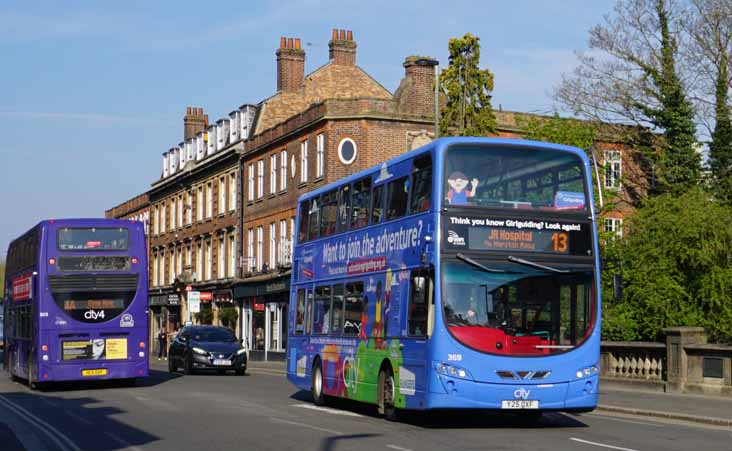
(676, 266)
(467, 89)
(228, 317)
(711, 53)
(636, 82)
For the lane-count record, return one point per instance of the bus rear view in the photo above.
(84, 312)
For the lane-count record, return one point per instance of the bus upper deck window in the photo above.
(421, 185)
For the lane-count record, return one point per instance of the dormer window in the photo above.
(235, 117)
(200, 145)
(166, 168)
(211, 140)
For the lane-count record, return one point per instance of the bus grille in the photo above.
(91, 282)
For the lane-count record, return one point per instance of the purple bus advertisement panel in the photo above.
(76, 302)
(461, 275)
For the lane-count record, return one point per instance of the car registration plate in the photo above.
(222, 362)
(97, 372)
(519, 404)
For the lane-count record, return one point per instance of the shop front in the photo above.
(165, 315)
(263, 302)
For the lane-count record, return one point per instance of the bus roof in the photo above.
(440, 145)
(89, 222)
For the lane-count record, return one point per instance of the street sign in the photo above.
(194, 301)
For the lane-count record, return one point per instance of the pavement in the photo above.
(709, 410)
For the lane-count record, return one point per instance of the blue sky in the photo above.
(92, 92)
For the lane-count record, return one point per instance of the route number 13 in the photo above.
(559, 240)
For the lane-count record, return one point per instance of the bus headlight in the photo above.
(453, 371)
(587, 371)
(200, 351)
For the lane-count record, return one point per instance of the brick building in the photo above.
(316, 129)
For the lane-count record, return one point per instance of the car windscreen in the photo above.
(213, 334)
(93, 239)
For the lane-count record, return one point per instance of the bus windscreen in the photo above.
(93, 239)
(514, 178)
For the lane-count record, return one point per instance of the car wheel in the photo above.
(188, 365)
(171, 365)
(317, 385)
(241, 372)
(387, 395)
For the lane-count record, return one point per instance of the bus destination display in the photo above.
(517, 235)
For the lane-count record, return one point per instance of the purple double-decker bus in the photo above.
(76, 302)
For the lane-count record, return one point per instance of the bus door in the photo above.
(419, 322)
(299, 332)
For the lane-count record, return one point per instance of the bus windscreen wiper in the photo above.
(472, 262)
(521, 261)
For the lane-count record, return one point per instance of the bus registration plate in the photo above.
(519, 404)
(97, 372)
(222, 362)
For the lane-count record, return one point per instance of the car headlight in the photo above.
(452, 371)
(587, 371)
(200, 351)
(241, 351)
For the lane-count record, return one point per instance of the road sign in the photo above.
(194, 301)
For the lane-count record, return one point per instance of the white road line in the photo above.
(398, 448)
(295, 423)
(602, 445)
(607, 417)
(50, 403)
(78, 418)
(123, 442)
(62, 441)
(345, 413)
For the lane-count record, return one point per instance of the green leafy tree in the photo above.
(467, 90)
(676, 266)
(720, 149)
(228, 317)
(205, 316)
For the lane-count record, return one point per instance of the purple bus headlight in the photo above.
(453, 371)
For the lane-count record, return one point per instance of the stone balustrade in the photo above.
(685, 363)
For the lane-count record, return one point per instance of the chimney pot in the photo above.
(290, 44)
(334, 35)
(343, 35)
(297, 43)
(283, 42)
(290, 65)
(350, 35)
(342, 48)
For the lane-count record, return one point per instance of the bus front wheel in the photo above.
(387, 394)
(317, 384)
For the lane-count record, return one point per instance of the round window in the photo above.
(347, 151)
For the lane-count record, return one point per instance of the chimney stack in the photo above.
(416, 93)
(193, 122)
(342, 48)
(290, 65)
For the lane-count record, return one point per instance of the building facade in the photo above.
(316, 129)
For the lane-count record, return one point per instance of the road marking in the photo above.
(123, 442)
(309, 426)
(345, 413)
(398, 448)
(78, 418)
(50, 403)
(602, 445)
(62, 441)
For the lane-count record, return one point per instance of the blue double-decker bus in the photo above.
(76, 302)
(461, 275)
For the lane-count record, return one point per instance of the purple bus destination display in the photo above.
(520, 235)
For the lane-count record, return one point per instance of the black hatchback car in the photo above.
(207, 347)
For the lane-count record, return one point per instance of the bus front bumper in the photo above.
(453, 393)
(93, 370)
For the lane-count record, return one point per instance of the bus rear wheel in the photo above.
(387, 395)
(317, 384)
